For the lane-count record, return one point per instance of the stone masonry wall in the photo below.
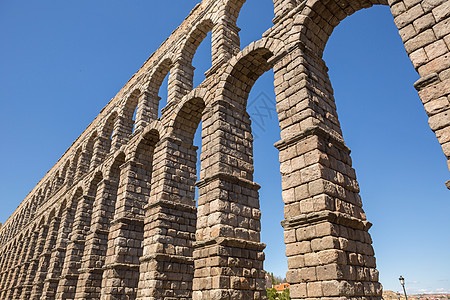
(116, 217)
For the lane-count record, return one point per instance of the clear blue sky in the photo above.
(62, 61)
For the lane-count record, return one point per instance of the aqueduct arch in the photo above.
(116, 218)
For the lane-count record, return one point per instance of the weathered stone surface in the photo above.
(116, 217)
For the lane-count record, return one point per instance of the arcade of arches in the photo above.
(116, 217)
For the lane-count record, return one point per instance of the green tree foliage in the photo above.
(273, 295)
(285, 295)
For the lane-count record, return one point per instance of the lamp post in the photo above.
(402, 282)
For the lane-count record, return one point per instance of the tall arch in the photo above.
(13, 228)
(228, 221)
(47, 191)
(324, 218)
(58, 254)
(2, 236)
(106, 141)
(94, 257)
(129, 110)
(15, 260)
(125, 123)
(149, 105)
(187, 52)
(421, 29)
(128, 222)
(57, 180)
(32, 270)
(75, 247)
(23, 244)
(65, 173)
(88, 159)
(53, 224)
(172, 205)
(5, 280)
(230, 44)
(138, 204)
(74, 166)
(21, 219)
(27, 213)
(27, 255)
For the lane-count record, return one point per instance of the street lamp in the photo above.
(402, 282)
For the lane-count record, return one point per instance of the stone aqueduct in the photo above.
(116, 217)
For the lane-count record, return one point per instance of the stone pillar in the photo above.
(3, 273)
(181, 79)
(18, 269)
(58, 254)
(27, 213)
(225, 34)
(71, 171)
(31, 272)
(15, 262)
(102, 146)
(44, 258)
(26, 263)
(282, 8)
(147, 110)
(47, 194)
(3, 282)
(123, 127)
(8, 233)
(59, 181)
(228, 254)
(11, 230)
(6, 259)
(84, 162)
(40, 199)
(326, 232)
(75, 249)
(93, 260)
(225, 41)
(167, 267)
(21, 220)
(3, 255)
(121, 270)
(7, 274)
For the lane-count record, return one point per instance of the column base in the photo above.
(228, 268)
